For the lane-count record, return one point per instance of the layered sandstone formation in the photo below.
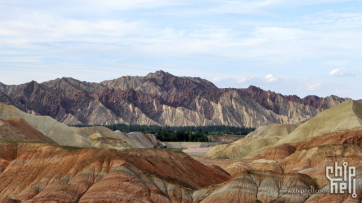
(18, 129)
(244, 147)
(345, 116)
(280, 139)
(59, 132)
(19, 125)
(43, 173)
(273, 130)
(102, 137)
(334, 136)
(258, 186)
(38, 172)
(145, 140)
(160, 99)
(235, 166)
(273, 162)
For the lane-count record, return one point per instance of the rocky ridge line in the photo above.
(161, 98)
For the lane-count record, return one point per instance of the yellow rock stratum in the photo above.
(346, 116)
(87, 137)
(59, 132)
(273, 130)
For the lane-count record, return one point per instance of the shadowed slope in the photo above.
(39, 173)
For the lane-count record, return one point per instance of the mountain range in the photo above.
(161, 98)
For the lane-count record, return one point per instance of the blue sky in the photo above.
(309, 47)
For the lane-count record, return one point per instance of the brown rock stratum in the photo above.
(333, 136)
(36, 172)
(18, 129)
(45, 128)
(161, 98)
(43, 173)
(39, 172)
(280, 140)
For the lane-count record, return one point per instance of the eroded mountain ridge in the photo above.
(160, 98)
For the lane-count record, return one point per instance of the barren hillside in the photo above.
(160, 98)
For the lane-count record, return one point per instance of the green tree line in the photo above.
(180, 133)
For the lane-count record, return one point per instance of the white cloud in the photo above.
(262, 42)
(243, 79)
(270, 78)
(314, 86)
(341, 72)
(338, 71)
(94, 34)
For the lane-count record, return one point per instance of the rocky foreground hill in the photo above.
(282, 140)
(279, 163)
(18, 125)
(160, 98)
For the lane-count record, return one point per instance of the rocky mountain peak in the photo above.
(32, 83)
(161, 98)
(159, 74)
(31, 87)
(255, 89)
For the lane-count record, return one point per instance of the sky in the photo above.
(293, 47)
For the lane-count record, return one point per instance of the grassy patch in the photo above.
(174, 149)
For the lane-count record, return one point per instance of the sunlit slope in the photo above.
(253, 143)
(59, 132)
(240, 148)
(345, 116)
(273, 130)
(102, 137)
(19, 129)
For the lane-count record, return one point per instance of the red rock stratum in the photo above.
(19, 129)
(37, 172)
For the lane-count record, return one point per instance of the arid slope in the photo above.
(161, 98)
(59, 132)
(346, 116)
(18, 129)
(40, 173)
(97, 137)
